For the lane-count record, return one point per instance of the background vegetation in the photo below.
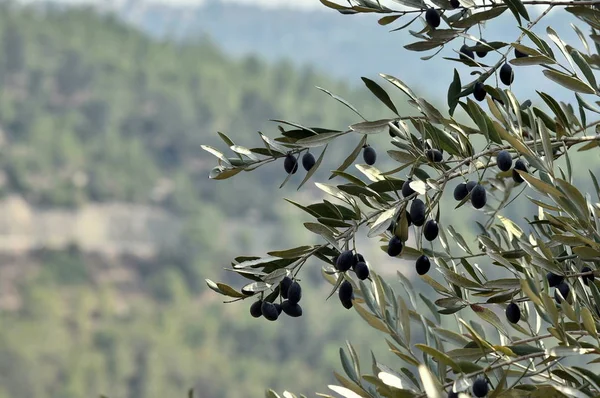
(93, 111)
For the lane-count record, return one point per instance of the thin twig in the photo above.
(496, 5)
(490, 368)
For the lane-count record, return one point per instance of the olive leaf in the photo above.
(570, 82)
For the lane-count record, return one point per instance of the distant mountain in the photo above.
(344, 46)
(347, 46)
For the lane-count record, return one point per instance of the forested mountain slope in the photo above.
(94, 112)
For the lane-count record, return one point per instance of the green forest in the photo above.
(85, 95)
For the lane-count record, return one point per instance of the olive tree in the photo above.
(544, 308)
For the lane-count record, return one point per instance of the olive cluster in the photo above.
(504, 163)
(477, 192)
(416, 215)
(561, 291)
(346, 261)
(290, 163)
(466, 53)
(291, 292)
(506, 74)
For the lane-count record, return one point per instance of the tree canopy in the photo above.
(512, 306)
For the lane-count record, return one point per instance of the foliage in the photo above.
(540, 268)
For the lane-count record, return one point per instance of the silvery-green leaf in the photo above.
(371, 172)
(418, 186)
(344, 392)
(314, 168)
(375, 127)
(560, 44)
(341, 100)
(476, 18)
(398, 83)
(561, 351)
(570, 82)
(273, 144)
(461, 384)
(391, 380)
(222, 173)
(243, 151)
(411, 3)
(430, 383)
(256, 287)
(216, 153)
(380, 225)
(318, 140)
(252, 263)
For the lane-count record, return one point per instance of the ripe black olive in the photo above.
(308, 161)
(293, 310)
(480, 387)
(362, 271)
(482, 54)
(346, 294)
(507, 75)
(285, 286)
(432, 17)
(513, 313)
(479, 91)
(417, 212)
(423, 264)
(394, 246)
(255, 310)
(431, 230)
(478, 196)
(290, 164)
(345, 261)
(554, 279)
(460, 192)
(434, 155)
(269, 311)
(519, 54)
(294, 293)
(369, 155)
(504, 160)
(466, 53)
(471, 185)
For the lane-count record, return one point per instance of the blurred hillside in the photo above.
(110, 225)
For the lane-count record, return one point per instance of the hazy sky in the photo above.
(314, 4)
(270, 3)
(298, 4)
(306, 4)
